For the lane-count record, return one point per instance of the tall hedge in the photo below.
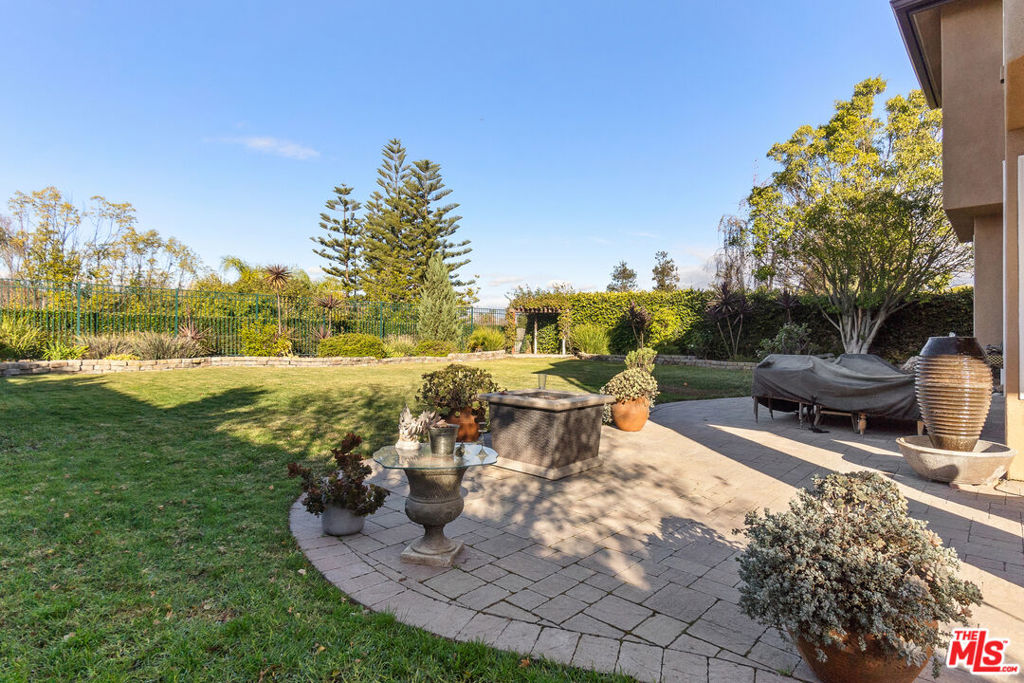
(900, 337)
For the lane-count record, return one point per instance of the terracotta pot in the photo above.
(631, 416)
(954, 390)
(847, 664)
(469, 430)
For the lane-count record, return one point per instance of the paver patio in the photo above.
(630, 567)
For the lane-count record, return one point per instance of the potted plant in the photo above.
(340, 498)
(859, 584)
(452, 391)
(634, 389)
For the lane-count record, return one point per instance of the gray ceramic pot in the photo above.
(442, 439)
(339, 521)
(954, 390)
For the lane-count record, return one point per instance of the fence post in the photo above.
(472, 321)
(380, 307)
(177, 325)
(78, 309)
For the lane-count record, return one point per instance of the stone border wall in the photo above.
(668, 359)
(99, 367)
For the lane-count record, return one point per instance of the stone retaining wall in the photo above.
(669, 359)
(99, 367)
(96, 367)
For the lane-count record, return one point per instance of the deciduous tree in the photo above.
(854, 212)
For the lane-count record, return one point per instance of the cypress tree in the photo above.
(342, 245)
(439, 306)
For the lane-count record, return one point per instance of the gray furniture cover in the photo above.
(853, 383)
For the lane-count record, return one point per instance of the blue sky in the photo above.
(573, 134)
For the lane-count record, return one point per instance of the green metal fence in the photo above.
(66, 311)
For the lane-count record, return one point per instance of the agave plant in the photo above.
(191, 331)
(321, 332)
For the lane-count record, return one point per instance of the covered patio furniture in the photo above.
(858, 385)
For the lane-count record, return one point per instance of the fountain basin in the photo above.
(985, 464)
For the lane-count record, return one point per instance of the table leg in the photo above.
(435, 499)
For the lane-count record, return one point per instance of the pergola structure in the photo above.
(535, 311)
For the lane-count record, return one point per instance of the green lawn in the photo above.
(144, 525)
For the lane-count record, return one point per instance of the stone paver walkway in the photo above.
(630, 567)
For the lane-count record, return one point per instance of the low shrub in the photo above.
(791, 338)
(433, 347)
(666, 327)
(352, 345)
(399, 345)
(589, 338)
(56, 349)
(160, 345)
(105, 345)
(121, 356)
(20, 339)
(264, 340)
(486, 339)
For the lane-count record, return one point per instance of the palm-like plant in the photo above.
(277, 276)
(730, 306)
(329, 303)
(788, 302)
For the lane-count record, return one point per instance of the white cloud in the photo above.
(500, 280)
(275, 146)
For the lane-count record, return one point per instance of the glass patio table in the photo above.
(435, 495)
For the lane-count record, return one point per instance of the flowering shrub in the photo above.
(344, 486)
(847, 561)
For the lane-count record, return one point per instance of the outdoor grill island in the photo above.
(550, 434)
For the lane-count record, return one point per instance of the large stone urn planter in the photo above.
(954, 390)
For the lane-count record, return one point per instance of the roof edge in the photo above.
(904, 11)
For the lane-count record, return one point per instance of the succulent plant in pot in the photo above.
(340, 498)
(634, 389)
(860, 585)
(452, 391)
